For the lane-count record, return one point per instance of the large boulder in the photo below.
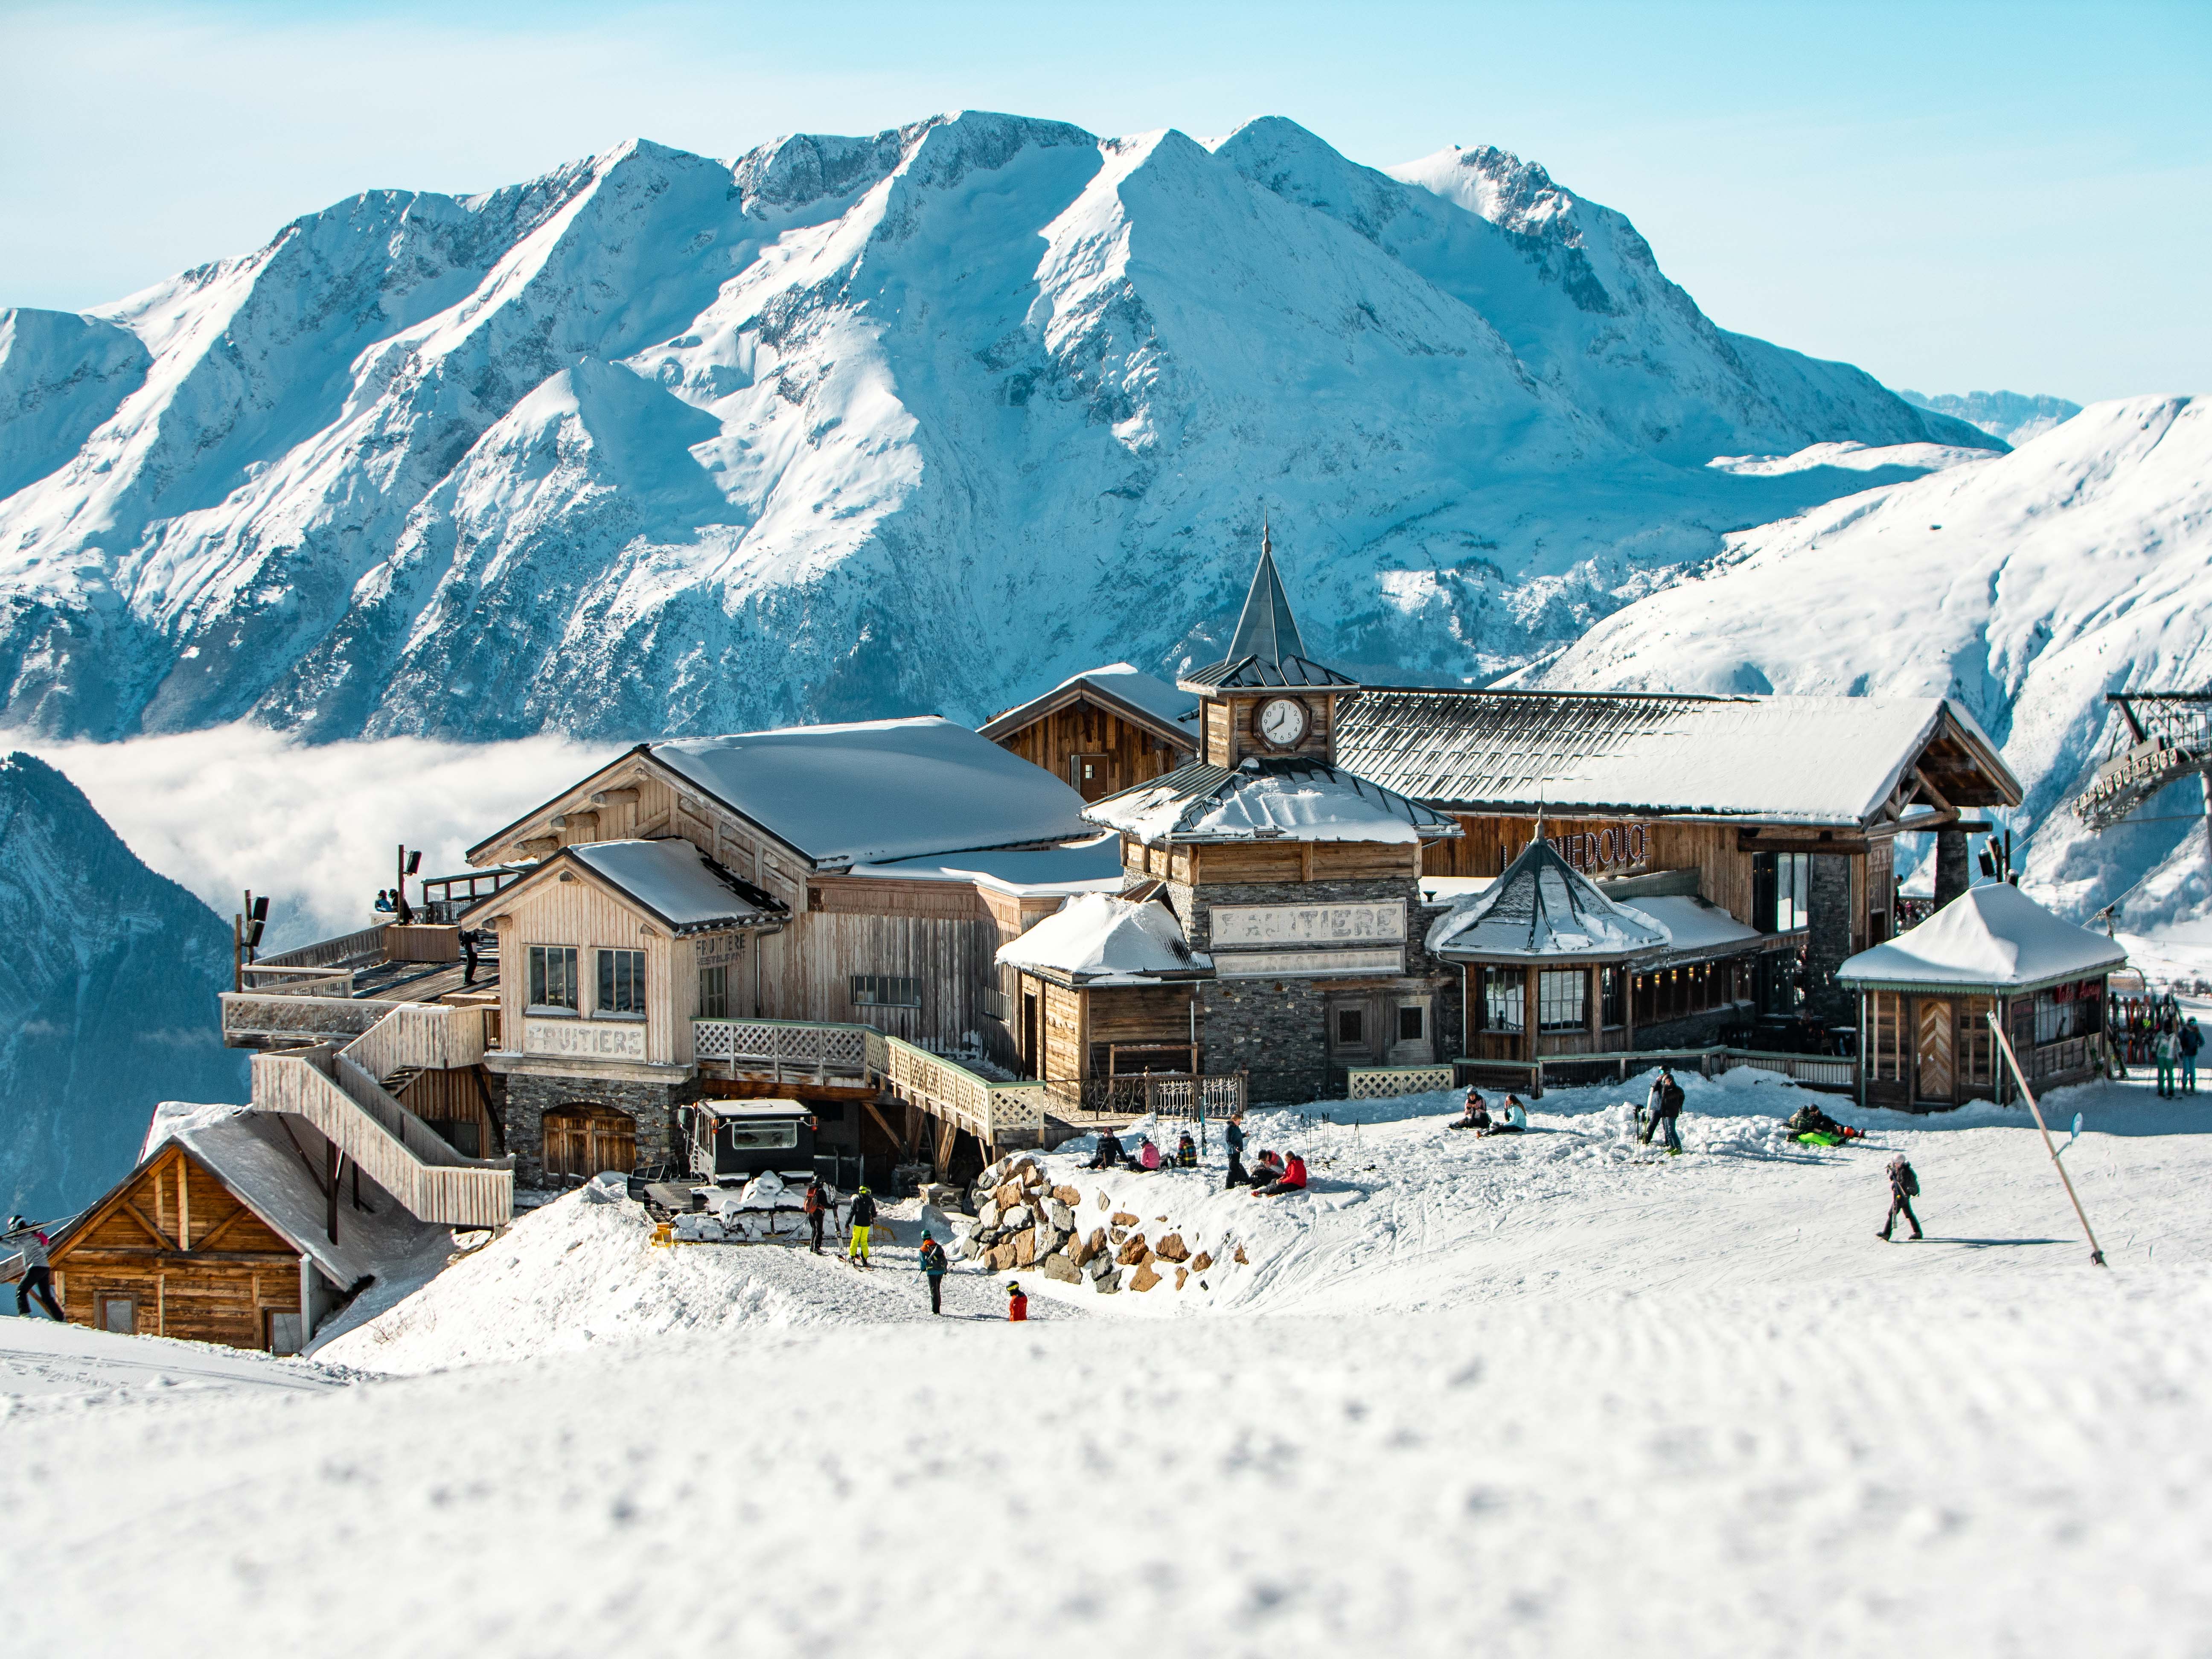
(1016, 1218)
(1122, 1218)
(1001, 1257)
(1182, 1277)
(1143, 1279)
(1061, 1215)
(1172, 1249)
(1024, 1248)
(987, 1214)
(1107, 1284)
(1201, 1262)
(1059, 1267)
(1069, 1197)
(1085, 1249)
(1007, 1194)
(1133, 1250)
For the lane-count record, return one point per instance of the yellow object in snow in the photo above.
(858, 1249)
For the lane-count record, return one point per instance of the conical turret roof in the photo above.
(1267, 649)
(1543, 907)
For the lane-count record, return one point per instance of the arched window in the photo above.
(583, 1138)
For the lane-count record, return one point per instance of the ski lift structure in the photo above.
(2169, 736)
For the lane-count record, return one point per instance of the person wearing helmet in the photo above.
(29, 1245)
(931, 1259)
(863, 1218)
(1017, 1305)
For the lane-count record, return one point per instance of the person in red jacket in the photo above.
(1293, 1180)
(1017, 1305)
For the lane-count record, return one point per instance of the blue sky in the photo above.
(1954, 195)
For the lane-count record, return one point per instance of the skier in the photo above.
(931, 1259)
(1233, 1136)
(2190, 1039)
(2165, 1048)
(1663, 1107)
(863, 1218)
(1475, 1115)
(816, 1206)
(38, 1279)
(1513, 1119)
(1017, 1305)
(1293, 1180)
(1904, 1188)
(1186, 1153)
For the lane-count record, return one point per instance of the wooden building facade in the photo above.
(1101, 732)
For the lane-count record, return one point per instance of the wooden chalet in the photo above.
(1104, 731)
(242, 1231)
(1925, 998)
(1780, 813)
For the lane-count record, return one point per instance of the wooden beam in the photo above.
(152, 1231)
(224, 1226)
(882, 1123)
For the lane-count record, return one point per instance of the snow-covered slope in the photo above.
(2027, 585)
(2014, 416)
(854, 426)
(107, 996)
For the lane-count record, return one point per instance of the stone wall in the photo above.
(1828, 938)
(530, 1096)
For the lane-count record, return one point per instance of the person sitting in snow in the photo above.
(1293, 1180)
(1148, 1156)
(1186, 1153)
(1109, 1155)
(1512, 1119)
(1476, 1115)
(1267, 1169)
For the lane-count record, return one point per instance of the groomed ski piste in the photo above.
(1557, 1392)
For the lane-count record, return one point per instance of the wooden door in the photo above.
(583, 1140)
(1938, 1073)
(1089, 776)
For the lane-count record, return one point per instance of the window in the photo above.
(622, 982)
(1559, 1002)
(2065, 1012)
(882, 991)
(1351, 1028)
(1793, 890)
(993, 1004)
(1504, 995)
(762, 1136)
(714, 993)
(1411, 1022)
(118, 1313)
(1611, 996)
(553, 976)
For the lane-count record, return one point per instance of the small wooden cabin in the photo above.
(232, 1232)
(1102, 731)
(1107, 989)
(1926, 998)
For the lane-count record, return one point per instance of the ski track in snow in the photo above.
(1556, 1394)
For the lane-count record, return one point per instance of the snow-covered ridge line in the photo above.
(658, 444)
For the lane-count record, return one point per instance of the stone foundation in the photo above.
(530, 1096)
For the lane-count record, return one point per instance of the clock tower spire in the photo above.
(1266, 698)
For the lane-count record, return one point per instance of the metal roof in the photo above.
(1267, 650)
(1801, 759)
(1289, 798)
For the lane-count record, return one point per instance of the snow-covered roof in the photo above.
(676, 882)
(256, 1156)
(1082, 867)
(1817, 760)
(1695, 928)
(1292, 800)
(1542, 908)
(1098, 939)
(1158, 706)
(878, 790)
(777, 1106)
(1992, 938)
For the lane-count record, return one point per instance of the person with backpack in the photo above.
(816, 1206)
(2190, 1039)
(38, 1271)
(2165, 1049)
(931, 1259)
(1904, 1188)
(1017, 1305)
(863, 1218)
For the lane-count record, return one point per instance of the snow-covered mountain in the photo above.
(921, 421)
(2027, 585)
(2014, 416)
(107, 996)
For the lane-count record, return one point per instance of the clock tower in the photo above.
(1266, 698)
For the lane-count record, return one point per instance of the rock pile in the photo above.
(1022, 1221)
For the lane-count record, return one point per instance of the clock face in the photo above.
(1283, 722)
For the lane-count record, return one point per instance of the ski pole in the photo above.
(2096, 1255)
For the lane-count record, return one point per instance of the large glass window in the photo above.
(762, 1136)
(553, 976)
(1611, 996)
(2065, 1012)
(715, 992)
(1793, 892)
(1504, 995)
(622, 981)
(1560, 1005)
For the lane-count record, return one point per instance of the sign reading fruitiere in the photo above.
(1307, 941)
(585, 1039)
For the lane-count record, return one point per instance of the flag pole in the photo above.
(2096, 1255)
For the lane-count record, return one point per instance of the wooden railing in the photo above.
(276, 1016)
(397, 1150)
(821, 1053)
(1380, 1082)
(329, 952)
(1159, 1094)
(420, 1036)
(1828, 1072)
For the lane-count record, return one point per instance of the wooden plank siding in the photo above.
(1127, 754)
(582, 913)
(1227, 733)
(1489, 842)
(1231, 863)
(193, 1261)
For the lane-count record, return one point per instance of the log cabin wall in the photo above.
(189, 1260)
(1227, 734)
(1141, 1015)
(1121, 753)
(1603, 847)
